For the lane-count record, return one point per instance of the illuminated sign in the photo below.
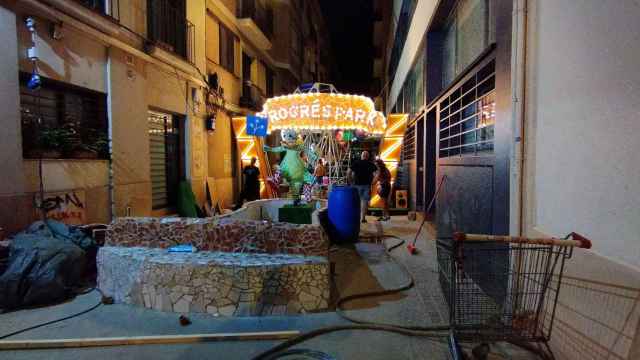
(323, 111)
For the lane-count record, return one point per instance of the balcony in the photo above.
(169, 29)
(255, 21)
(251, 98)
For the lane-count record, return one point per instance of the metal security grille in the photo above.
(409, 143)
(166, 161)
(168, 27)
(467, 116)
(56, 107)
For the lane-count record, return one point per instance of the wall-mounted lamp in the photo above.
(210, 123)
(35, 81)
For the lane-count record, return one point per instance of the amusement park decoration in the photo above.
(292, 168)
(315, 122)
(315, 110)
(328, 121)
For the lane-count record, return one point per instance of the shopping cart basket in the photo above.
(502, 288)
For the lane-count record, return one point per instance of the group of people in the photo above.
(363, 173)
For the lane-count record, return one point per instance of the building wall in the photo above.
(582, 173)
(16, 205)
(134, 85)
(133, 15)
(134, 82)
(75, 59)
(424, 11)
(129, 135)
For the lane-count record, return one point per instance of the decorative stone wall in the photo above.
(213, 234)
(239, 284)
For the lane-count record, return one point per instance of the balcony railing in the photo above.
(168, 28)
(259, 12)
(251, 96)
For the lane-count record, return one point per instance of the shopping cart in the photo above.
(503, 288)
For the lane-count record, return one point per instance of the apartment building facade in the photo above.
(529, 109)
(137, 96)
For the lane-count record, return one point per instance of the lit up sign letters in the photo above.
(323, 111)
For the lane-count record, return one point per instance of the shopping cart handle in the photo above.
(575, 239)
(585, 243)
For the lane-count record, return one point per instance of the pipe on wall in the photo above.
(518, 116)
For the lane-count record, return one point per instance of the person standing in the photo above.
(383, 180)
(251, 173)
(320, 171)
(361, 174)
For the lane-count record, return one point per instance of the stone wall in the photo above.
(214, 282)
(213, 234)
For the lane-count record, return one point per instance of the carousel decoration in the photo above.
(292, 168)
(315, 110)
(315, 123)
(327, 121)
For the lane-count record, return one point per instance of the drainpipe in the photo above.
(518, 76)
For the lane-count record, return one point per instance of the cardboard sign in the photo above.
(68, 207)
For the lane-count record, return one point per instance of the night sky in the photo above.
(350, 25)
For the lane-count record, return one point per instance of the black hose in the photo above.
(411, 282)
(421, 331)
(54, 321)
(273, 353)
(312, 354)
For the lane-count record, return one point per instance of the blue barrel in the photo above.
(344, 214)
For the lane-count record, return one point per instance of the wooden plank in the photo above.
(216, 203)
(143, 340)
(263, 162)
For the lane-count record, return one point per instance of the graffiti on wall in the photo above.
(68, 207)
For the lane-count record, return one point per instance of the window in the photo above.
(409, 143)
(106, 7)
(407, 9)
(62, 121)
(227, 49)
(166, 150)
(412, 93)
(168, 28)
(270, 80)
(259, 11)
(296, 54)
(467, 115)
(468, 32)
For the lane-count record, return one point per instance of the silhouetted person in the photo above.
(361, 172)
(383, 178)
(251, 189)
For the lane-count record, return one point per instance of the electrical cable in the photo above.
(274, 352)
(312, 354)
(57, 320)
(410, 283)
(418, 331)
(432, 332)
